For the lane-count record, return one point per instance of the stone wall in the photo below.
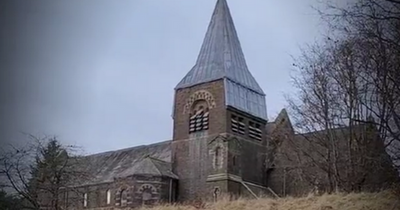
(190, 152)
(192, 165)
(213, 93)
(128, 192)
(193, 154)
(251, 152)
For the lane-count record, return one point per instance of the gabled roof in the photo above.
(151, 159)
(221, 55)
(281, 120)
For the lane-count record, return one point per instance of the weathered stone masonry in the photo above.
(221, 144)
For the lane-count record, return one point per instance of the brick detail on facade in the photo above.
(199, 95)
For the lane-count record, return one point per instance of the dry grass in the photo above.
(363, 201)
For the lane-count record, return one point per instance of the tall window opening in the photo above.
(217, 157)
(85, 199)
(124, 198)
(108, 194)
(238, 125)
(255, 131)
(199, 117)
(66, 199)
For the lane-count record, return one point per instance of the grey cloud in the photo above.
(101, 74)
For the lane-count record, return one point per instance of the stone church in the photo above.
(220, 140)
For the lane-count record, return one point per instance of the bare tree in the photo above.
(373, 25)
(41, 172)
(345, 84)
(333, 108)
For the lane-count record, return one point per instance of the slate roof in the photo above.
(150, 166)
(221, 54)
(153, 159)
(221, 57)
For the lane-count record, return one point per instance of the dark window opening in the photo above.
(124, 198)
(216, 193)
(237, 125)
(255, 131)
(234, 160)
(66, 199)
(217, 157)
(199, 121)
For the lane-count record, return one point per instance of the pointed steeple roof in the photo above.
(221, 55)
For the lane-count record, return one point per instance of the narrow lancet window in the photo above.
(108, 194)
(85, 199)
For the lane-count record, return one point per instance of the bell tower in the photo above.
(219, 118)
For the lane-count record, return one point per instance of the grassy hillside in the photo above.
(363, 201)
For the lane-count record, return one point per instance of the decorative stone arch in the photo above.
(123, 196)
(147, 191)
(199, 95)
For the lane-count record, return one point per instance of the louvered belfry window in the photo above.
(237, 125)
(255, 131)
(199, 120)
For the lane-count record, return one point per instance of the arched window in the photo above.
(85, 199)
(108, 194)
(124, 198)
(147, 191)
(199, 117)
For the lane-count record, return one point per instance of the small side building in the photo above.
(124, 178)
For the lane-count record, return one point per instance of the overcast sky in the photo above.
(101, 73)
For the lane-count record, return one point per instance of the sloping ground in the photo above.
(363, 201)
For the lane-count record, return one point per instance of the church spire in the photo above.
(221, 58)
(221, 55)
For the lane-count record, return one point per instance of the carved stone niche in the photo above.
(217, 152)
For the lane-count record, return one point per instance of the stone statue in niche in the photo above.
(217, 154)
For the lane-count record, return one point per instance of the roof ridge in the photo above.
(329, 129)
(155, 166)
(162, 171)
(128, 148)
(157, 159)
